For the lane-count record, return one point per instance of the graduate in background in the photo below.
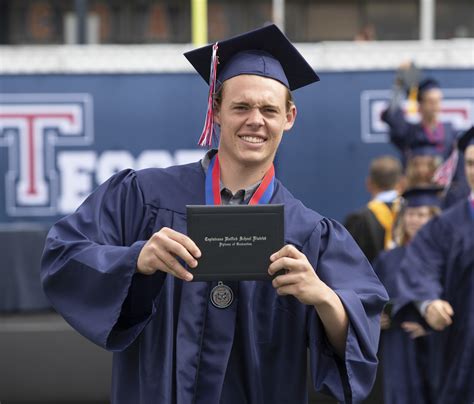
(406, 135)
(403, 346)
(115, 269)
(452, 176)
(437, 274)
(457, 188)
(422, 163)
(372, 225)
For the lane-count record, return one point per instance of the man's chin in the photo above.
(254, 159)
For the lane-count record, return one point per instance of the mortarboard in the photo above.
(265, 52)
(466, 140)
(424, 148)
(426, 85)
(422, 196)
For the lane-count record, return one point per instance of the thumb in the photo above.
(448, 309)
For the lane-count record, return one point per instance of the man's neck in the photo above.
(385, 196)
(430, 122)
(237, 176)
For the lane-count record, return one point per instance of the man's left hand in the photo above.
(300, 279)
(414, 330)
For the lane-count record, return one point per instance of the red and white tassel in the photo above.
(208, 130)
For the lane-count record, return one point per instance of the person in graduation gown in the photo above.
(405, 135)
(403, 344)
(454, 177)
(372, 225)
(458, 187)
(120, 268)
(437, 274)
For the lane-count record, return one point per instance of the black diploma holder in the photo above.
(236, 241)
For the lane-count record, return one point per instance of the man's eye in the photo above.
(270, 110)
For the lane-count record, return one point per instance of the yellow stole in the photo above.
(386, 217)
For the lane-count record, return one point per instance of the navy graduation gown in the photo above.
(459, 188)
(439, 264)
(404, 360)
(405, 135)
(170, 344)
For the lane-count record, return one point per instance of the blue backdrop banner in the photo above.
(62, 135)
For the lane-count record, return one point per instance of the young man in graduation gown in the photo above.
(372, 225)
(405, 135)
(437, 274)
(120, 268)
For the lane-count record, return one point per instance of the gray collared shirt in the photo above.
(241, 197)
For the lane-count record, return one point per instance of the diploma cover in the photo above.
(236, 241)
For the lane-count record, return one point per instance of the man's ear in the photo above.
(290, 117)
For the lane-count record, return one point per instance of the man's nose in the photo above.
(255, 117)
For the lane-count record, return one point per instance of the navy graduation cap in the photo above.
(422, 196)
(265, 52)
(426, 85)
(424, 149)
(466, 140)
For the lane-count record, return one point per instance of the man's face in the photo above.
(430, 104)
(422, 169)
(253, 116)
(469, 165)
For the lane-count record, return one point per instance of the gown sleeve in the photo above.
(342, 266)
(89, 263)
(380, 268)
(399, 128)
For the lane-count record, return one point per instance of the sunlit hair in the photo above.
(220, 92)
(400, 236)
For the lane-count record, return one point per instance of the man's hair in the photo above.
(385, 172)
(220, 91)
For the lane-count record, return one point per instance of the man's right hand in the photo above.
(438, 314)
(161, 251)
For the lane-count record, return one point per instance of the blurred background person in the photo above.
(437, 275)
(404, 354)
(422, 162)
(452, 175)
(372, 225)
(366, 33)
(406, 135)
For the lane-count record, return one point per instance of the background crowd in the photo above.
(418, 232)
